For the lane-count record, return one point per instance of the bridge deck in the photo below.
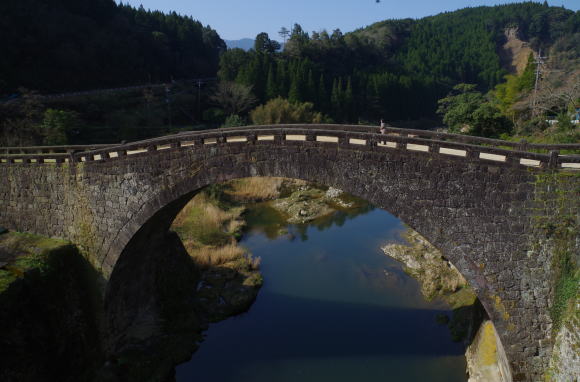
(353, 136)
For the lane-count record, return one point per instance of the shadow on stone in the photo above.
(50, 315)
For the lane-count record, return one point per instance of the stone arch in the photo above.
(446, 201)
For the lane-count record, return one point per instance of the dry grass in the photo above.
(258, 188)
(207, 256)
(203, 221)
(208, 234)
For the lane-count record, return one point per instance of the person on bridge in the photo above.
(382, 129)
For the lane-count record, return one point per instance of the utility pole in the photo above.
(284, 33)
(539, 69)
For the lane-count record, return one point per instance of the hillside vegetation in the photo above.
(399, 69)
(65, 45)
(412, 73)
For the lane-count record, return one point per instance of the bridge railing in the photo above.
(44, 154)
(343, 136)
(50, 149)
(522, 145)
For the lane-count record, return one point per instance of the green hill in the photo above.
(63, 45)
(398, 69)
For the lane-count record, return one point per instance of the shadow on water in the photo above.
(412, 330)
(333, 307)
(389, 339)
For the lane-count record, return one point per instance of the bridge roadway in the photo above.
(484, 203)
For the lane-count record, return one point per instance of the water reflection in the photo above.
(333, 308)
(264, 218)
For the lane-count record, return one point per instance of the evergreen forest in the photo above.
(396, 69)
(67, 45)
(448, 69)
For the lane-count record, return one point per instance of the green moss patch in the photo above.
(556, 222)
(24, 252)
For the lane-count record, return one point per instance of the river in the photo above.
(333, 307)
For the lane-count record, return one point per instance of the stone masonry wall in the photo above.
(479, 214)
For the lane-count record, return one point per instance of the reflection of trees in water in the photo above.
(337, 218)
(262, 217)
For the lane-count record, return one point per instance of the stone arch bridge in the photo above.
(478, 200)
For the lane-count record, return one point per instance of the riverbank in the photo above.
(486, 360)
(212, 222)
(438, 278)
(209, 226)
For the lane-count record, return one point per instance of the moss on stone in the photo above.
(560, 230)
(488, 345)
(28, 252)
(500, 307)
(7, 277)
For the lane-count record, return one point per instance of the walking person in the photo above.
(382, 129)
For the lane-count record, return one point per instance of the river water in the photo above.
(333, 307)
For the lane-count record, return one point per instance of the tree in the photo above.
(271, 85)
(280, 110)
(488, 121)
(19, 122)
(297, 42)
(322, 95)
(263, 44)
(295, 94)
(467, 111)
(231, 62)
(57, 126)
(234, 120)
(348, 101)
(557, 96)
(100, 44)
(458, 107)
(234, 98)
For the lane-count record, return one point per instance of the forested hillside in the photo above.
(451, 67)
(63, 45)
(396, 69)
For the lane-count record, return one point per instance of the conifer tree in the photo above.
(311, 89)
(271, 85)
(336, 98)
(322, 95)
(294, 94)
(348, 101)
(282, 78)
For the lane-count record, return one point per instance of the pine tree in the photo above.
(311, 90)
(348, 101)
(322, 95)
(294, 95)
(271, 86)
(336, 98)
(282, 78)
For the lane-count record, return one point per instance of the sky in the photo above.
(236, 19)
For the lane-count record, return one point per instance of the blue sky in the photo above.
(236, 19)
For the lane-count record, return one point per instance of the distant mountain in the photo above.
(245, 44)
